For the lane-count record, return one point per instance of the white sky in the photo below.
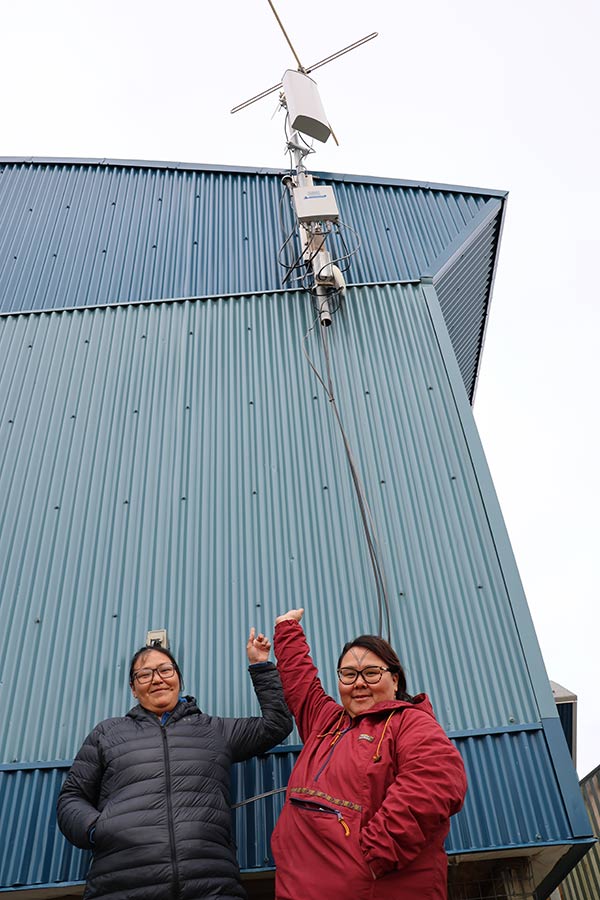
(466, 92)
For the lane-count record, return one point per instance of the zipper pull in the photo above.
(344, 824)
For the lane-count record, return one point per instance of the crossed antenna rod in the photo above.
(301, 68)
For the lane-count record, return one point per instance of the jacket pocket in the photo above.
(317, 851)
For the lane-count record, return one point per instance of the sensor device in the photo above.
(304, 105)
(315, 204)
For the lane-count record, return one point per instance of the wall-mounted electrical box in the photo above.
(316, 204)
(157, 638)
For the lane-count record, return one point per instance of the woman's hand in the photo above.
(293, 615)
(258, 648)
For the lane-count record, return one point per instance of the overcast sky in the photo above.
(465, 92)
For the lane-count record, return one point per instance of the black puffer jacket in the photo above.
(158, 798)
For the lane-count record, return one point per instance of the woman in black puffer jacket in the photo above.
(148, 793)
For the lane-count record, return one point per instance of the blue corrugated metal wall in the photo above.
(176, 464)
(197, 427)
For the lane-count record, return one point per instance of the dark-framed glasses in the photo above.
(145, 676)
(371, 675)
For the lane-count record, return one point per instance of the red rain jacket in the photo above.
(369, 800)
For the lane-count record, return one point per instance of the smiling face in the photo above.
(359, 697)
(161, 693)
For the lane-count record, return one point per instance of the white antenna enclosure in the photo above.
(304, 105)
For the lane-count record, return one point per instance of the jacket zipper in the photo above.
(337, 740)
(176, 887)
(314, 807)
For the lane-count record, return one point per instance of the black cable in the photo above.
(258, 797)
(365, 512)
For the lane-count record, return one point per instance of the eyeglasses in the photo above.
(145, 676)
(371, 675)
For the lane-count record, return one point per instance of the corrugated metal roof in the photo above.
(78, 234)
(583, 883)
(159, 456)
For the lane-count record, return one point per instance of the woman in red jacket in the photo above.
(369, 800)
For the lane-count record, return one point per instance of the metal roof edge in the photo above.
(595, 771)
(538, 676)
(462, 241)
(489, 301)
(249, 170)
(566, 777)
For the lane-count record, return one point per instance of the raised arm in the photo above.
(257, 734)
(311, 707)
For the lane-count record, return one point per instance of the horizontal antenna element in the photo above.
(317, 65)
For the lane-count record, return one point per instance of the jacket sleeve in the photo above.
(429, 787)
(311, 707)
(257, 734)
(77, 802)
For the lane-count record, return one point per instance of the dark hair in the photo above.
(384, 651)
(160, 649)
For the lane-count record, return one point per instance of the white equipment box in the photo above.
(315, 204)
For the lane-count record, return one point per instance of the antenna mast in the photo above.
(315, 206)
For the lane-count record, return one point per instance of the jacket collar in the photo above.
(186, 706)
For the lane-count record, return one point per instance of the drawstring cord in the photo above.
(377, 754)
(336, 731)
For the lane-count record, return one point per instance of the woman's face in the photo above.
(357, 698)
(161, 693)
